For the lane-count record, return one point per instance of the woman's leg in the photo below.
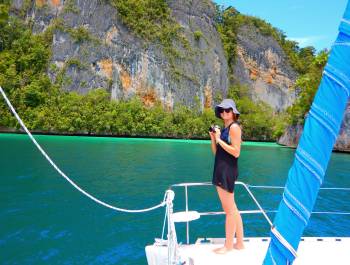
(239, 228)
(228, 206)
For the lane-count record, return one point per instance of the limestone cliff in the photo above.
(293, 133)
(113, 57)
(93, 48)
(264, 67)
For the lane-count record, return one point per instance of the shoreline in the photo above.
(151, 138)
(138, 138)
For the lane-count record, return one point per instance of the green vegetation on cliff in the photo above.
(45, 107)
(259, 119)
(307, 84)
(151, 20)
(229, 21)
(24, 59)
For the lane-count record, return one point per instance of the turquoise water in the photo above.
(44, 220)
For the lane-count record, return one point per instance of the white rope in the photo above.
(341, 44)
(271, 256)
(283, 241)
(337, 81)
(165, 217)
(346, 21)
(65, 176)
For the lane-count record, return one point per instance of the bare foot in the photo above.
(222, 250)
(238, 246)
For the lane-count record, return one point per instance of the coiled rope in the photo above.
(163, 203)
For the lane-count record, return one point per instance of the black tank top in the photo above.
(226, 165)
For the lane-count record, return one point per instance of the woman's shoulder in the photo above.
(235, 127)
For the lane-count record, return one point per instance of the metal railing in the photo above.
(186, 185)
(247, 188)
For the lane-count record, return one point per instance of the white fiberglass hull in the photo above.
(312, 250)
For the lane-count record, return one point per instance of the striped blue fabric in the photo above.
(321, 128)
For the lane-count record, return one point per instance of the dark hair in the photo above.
(235, 117)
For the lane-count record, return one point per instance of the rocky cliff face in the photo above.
(262, 64)
(343, 140)
(293, 133)
(112, 57)
(103, 52)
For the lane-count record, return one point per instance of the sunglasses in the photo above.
(226, 110)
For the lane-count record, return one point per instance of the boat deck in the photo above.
(311, 250)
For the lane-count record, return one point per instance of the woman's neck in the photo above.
(228, 122)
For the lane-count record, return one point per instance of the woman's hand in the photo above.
(213, 142)
(212, 136)
(217, 134)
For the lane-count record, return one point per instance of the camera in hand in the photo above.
(213, 127)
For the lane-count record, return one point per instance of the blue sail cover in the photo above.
(313, 152)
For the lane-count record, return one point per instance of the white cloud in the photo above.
(308, 40)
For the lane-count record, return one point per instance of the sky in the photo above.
(309, 22)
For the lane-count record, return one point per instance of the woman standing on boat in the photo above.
(226, 146)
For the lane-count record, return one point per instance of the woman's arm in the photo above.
(235, 135)
(213, 142)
